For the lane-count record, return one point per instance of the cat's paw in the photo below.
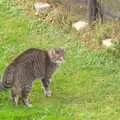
(29, 105)
(48, 93)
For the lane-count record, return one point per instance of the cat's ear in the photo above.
(59, 49)
(51, 53)
(63, 48)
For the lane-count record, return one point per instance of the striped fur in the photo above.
(28, 66)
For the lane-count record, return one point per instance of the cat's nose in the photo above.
(61, 58)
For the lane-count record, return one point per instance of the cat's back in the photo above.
(30, 54)
(30, 59)
(24, 57)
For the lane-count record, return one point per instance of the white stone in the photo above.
(107, 42)
(80, 25)
(39, 6)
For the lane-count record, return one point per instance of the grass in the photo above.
(86, 87)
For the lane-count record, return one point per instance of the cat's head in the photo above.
(57, 55)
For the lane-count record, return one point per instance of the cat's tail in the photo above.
(2, 86)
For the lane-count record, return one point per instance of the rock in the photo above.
(39, 6)
(107, 42)
(80, 25)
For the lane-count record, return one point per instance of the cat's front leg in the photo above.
(46, 87)
(25, 94)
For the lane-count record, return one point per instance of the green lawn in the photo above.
(86, 87)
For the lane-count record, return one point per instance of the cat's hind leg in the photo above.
(25, 100)
(16, 95)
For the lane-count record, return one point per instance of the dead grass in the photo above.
(63, 15)
(92, 36)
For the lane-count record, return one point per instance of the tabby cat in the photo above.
(30, 65)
